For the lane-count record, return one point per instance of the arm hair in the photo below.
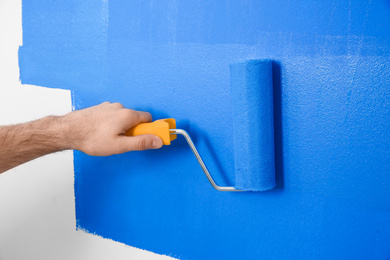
(24, 142)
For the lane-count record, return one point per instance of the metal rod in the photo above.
(199, 158)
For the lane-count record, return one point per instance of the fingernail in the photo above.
(157, 142)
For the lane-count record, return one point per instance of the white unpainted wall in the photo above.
(37, 207)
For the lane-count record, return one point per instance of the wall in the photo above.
(331, 90)
(37, 207)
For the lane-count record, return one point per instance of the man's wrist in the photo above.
(56, 131)
(71, 130)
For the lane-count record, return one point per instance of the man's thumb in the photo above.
(145, 142)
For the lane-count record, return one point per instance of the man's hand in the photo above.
(97, 131)
(100, 130)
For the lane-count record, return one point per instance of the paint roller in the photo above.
(253, 125)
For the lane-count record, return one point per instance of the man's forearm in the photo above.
(98, 131)
(24, 142)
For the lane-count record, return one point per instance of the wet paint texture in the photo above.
(253, 125)
(331, 94)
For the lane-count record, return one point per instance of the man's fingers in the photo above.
(143, 117)
(131, 118)
(140, 142)
(117, 105)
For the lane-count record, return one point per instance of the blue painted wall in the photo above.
(332, 121)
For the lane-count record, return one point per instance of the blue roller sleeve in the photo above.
(252, 93)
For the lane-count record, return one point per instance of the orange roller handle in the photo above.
(159, 127)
